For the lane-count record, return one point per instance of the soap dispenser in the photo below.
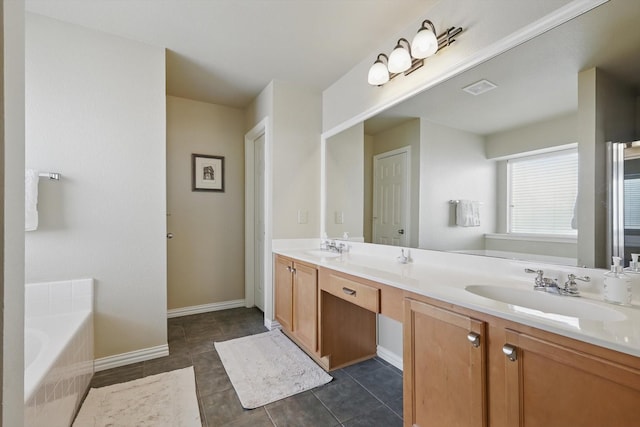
(617, 285)
(633, 271)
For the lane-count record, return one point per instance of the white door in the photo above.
(391, 197)
(258, 204)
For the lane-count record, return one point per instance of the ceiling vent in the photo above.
(480, 87)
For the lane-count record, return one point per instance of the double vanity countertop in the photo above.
(462, 279)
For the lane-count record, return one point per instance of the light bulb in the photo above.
(424, 44)
(399, 60)
(378, 74)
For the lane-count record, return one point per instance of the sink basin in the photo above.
(323, 254)
(542, 303)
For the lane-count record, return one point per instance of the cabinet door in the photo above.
(284, 292)
(444, 371)
(305, 305)
(549, 384)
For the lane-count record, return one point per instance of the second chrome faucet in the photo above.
(550, 285)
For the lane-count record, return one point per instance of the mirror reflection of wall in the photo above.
(344, 173)
(566, 88)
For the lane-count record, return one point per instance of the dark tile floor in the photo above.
(366, 394)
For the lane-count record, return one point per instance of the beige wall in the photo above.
(12, 125)
(549, 133)
(96, 114)
(206, 254)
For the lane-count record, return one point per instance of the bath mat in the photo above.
(267, 367)
(167, 399)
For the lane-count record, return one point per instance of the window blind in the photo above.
(542, 193)
(632, 203)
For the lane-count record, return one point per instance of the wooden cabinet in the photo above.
(348, 309)
(549, 383)
(296, 301)
(444, 368)
(516, 375)
(284, 292)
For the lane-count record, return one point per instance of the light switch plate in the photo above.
(303, 216)
(339, 217)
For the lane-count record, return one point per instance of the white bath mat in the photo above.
(167, 399)
(267, 367)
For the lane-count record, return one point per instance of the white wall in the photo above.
(345, 187)
(296, 160)
(206, 254)
(96, 114)
(485, 32)
(293, 117)
(12, 181)
(473, 178)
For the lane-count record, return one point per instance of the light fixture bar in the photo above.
(444, 39)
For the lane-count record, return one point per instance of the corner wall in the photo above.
(206, 254)
(96, 114)
(12, 180)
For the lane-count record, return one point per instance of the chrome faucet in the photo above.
(332, 246)
(550, 285)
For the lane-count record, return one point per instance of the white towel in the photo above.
(468, 213)
(31, 179)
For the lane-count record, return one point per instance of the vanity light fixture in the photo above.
(407, 57)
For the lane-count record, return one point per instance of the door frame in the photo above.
(262, 128)
(407, 191)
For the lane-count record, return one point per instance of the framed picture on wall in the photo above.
(207, 173)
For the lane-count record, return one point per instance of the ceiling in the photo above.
(226, 51)
(536, 80)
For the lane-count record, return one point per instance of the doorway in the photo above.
(257, 247)
(391, 178)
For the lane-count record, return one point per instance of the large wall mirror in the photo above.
(519, 170)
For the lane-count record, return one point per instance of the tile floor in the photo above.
(366, 394)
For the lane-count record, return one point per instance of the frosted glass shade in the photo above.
(424, 44)
(399, 60)
(378, 74)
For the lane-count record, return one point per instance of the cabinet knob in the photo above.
(289, 269)
(169, 235)
(474, 339)
(510, 351)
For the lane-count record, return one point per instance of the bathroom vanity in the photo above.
(468, 359)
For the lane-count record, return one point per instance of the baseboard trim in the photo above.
(130, 357)
(205, 308)
(272, 324)
(390, 357)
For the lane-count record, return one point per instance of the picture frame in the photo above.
(207, 173)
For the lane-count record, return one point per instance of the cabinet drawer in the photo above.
(349, 290)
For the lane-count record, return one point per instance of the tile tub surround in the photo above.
(366, 394)
(59, 323)
(444, 275)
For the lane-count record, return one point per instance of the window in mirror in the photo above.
(632, 203)
(542, 192)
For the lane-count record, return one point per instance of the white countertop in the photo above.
(444, 277)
